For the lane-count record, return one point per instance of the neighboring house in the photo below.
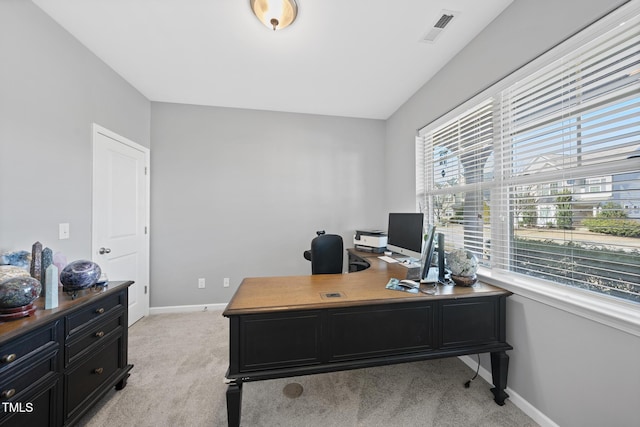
(540, 200)
(588, 195)
(627, 193)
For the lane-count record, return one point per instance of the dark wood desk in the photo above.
(300, 325)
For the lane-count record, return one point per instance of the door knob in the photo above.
(103, 251)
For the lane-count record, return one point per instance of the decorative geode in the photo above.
(464, 280)
(10, 271)
(19, 291)
(462, 263)
(79, 274)
(17, 258)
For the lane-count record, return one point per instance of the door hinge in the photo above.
(146, 170)
(145, 289)
(145, 229)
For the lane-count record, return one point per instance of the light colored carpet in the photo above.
(180, 361)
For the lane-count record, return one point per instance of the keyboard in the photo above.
(406, 262)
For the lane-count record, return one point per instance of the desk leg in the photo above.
(499, 369)
(234, 403)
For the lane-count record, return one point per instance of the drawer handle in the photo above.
(8, 394)
(100, 310)
(8, 358)
(100, 334)
(98, 371)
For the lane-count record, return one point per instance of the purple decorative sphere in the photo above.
(80, 274)
(19, 291)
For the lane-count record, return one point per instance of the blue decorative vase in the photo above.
(79, 274)
(19, 291)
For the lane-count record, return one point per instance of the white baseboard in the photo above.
(514, 397)
(186, 308)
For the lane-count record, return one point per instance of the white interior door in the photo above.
(120, 241)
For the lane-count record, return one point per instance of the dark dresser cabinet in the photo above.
(57, 363)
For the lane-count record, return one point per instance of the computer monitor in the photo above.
(427, 257)
(436, 274)
(404, 234)
(441, 269)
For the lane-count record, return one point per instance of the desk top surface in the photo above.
(272, 294)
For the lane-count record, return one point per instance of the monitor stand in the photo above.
(433, 276)
(413, 272)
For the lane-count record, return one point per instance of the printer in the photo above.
(370, 240)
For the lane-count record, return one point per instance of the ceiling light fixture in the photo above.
(275, 14)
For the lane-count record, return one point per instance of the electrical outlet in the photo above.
(226, 282)
(63, 231)
(201, 283)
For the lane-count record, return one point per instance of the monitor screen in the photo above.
(427, 258)
(404, 234)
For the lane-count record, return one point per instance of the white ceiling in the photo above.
(353, 58)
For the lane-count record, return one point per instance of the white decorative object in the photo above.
(51, 287)
(463, 265)
(462, 262)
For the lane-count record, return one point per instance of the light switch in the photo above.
(63, 231)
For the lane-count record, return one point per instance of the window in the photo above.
(458, 163)
(536, 179)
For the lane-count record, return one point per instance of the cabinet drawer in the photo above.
(15, 353)
(377, 331)
(280, 340)
(470, 321)
(39, 368)
(39, 407)
(91, 373)
(75, 321)
(95, 334)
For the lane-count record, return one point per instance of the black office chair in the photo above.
(326, 254)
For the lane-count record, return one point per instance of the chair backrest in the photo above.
(327, 254)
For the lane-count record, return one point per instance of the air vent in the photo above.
(446, 16)
(443, 21)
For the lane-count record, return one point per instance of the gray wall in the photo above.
(240, 193)
(51, 91)
(577, 372)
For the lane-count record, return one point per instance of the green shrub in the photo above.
(611, 210)
(614, 227)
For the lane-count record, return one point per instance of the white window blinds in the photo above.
(538, 179)
(458, 167)
(573, 194)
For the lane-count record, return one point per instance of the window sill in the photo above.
(603, 309)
